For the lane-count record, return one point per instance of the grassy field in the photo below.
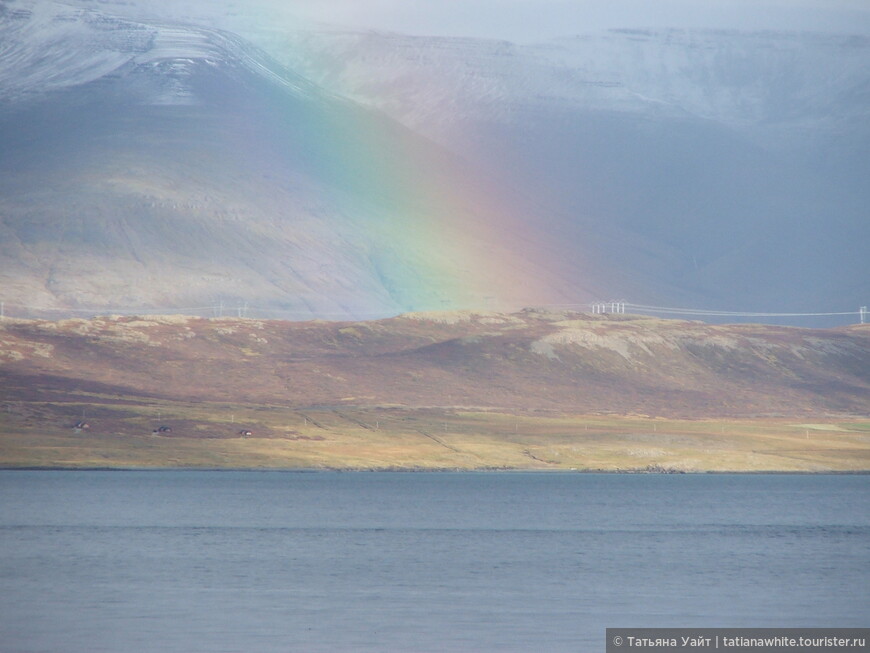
(121, 435)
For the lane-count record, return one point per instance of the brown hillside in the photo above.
(517, 362)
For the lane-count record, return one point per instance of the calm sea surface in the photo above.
(283, 561)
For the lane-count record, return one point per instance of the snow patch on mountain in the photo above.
(736, 78)
(49, 46)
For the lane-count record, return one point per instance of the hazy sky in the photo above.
(519, 20)
(532, 19)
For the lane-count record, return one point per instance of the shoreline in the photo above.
(428, 470)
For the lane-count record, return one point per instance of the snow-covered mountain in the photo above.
(737, 160)
(50, 46)
(146, 163)
(735, 78)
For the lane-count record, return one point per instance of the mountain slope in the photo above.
(148, 164)
(722, 168)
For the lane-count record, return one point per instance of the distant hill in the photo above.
(520, 362)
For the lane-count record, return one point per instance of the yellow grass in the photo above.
(40, 434)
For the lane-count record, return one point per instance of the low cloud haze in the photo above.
(531, 19)
(518, 20)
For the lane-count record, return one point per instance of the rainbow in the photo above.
(442, 236)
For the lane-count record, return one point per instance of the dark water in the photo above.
(280, 561)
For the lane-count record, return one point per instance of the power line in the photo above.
(711, 312)
(613, 306)
(596, 307)
(219, 309)
(120, 311)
